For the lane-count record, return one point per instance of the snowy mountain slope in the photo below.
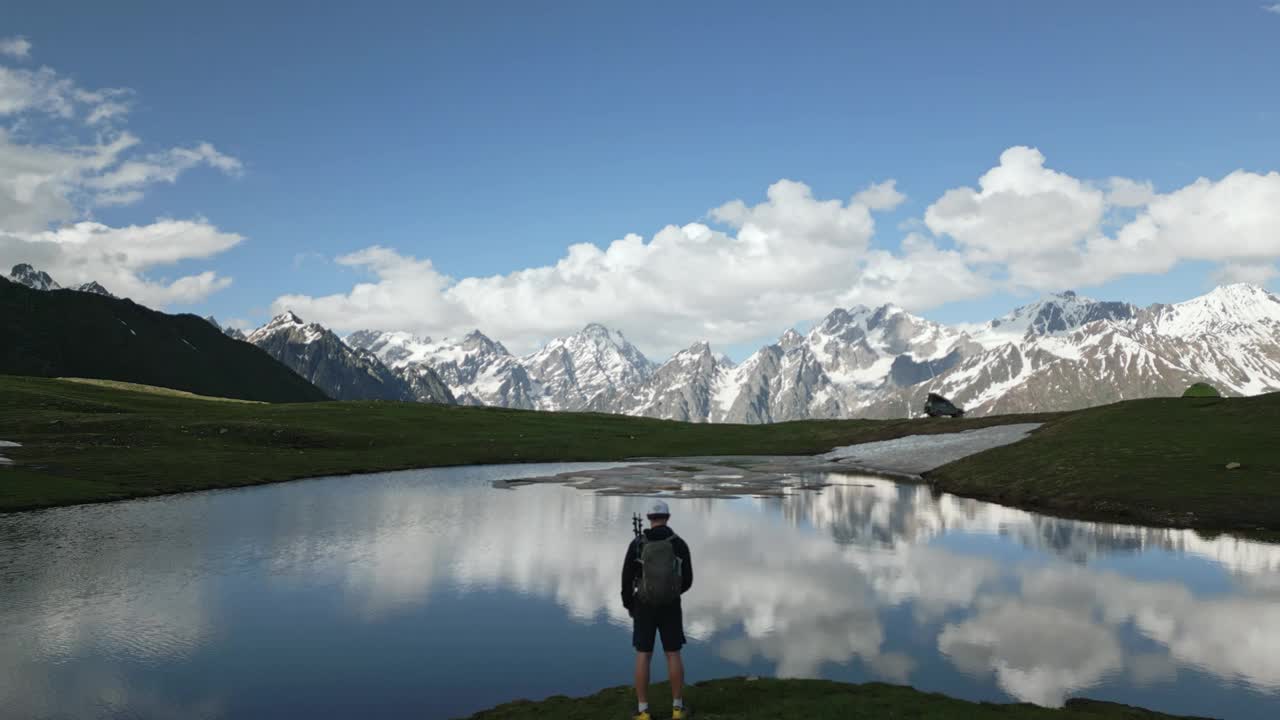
(24, 274)
(94, 287)
(595, 369)
(684, 387)
(1057, 313)
(343, 372)
(1229, 337)
(476, 369)
(1061, 352)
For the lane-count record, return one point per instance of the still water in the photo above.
(431, 594)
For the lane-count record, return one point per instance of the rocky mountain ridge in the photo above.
(1064, 351)
(341, 371)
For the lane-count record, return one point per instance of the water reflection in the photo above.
(410, 587)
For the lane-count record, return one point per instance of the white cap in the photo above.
(658, 508)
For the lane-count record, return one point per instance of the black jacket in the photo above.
(631, 567)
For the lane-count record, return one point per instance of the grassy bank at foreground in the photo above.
(1156, 462)
(741, 699)
(86, 442)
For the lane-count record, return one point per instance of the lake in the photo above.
(432, 594)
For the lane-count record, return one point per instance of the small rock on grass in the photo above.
(1233, 466)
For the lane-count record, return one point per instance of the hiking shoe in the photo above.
(641, 716)
(680, 713)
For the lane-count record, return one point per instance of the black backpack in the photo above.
(662, 572)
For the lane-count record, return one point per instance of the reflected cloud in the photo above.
(813, 579)
(1038, 653)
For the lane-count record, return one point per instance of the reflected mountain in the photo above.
(129, 605)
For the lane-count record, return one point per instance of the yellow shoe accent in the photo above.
(641, 716)
(678, 713)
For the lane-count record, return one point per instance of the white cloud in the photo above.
(1125, 193)
(794, 256)
(407, 289)
(1024, 216)
(43, 90)
(789, 258)
(1044, 229)
(18, 47)
(880, 196)
(1233, 219)
(119, 258)
(1257, 273)
(48, 190)
(1273, 8)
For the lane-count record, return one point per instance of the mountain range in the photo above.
(1062, 352)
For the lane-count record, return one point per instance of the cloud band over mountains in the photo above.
(794, 256)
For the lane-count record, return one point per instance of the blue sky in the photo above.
(490, 137)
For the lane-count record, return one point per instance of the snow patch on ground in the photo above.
(775, 476)
(920, 453)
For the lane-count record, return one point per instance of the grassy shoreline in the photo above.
(1156, 462)
(87, 442)
(1159, 461)
(743, 699)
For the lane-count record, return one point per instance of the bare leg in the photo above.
(675, 671)
(642, 676)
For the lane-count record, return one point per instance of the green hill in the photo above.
(1158, 461)
(64, 333)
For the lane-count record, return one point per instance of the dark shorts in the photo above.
(649, 621)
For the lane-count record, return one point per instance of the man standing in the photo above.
(657, 571)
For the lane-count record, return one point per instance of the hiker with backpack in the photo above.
(657, 570)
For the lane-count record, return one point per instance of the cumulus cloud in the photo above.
(1044, 230)
(1253, 273)
(788, 258)
(793, 256)
(17, 47)
(1023, 215)
(1123, 192)
(880, 196)
(49, 189)
(119, 258)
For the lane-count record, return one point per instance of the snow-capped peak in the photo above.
(577, 371)
(95, 288)
(24, 274)
(288, 322)
(1056, 313)
(790, 339)
(1225, 309)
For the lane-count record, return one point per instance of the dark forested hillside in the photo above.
(64, 333)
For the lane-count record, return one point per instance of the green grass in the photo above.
(152, 389)
(741, 699)
(1157, 462)
(87, 443)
